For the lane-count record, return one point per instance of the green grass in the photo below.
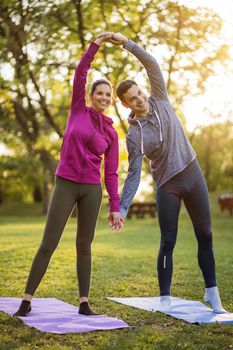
(124, 264)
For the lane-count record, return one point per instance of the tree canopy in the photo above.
(42, 41)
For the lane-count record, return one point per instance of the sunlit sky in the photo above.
(218, 98)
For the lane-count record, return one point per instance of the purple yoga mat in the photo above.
(55, 316)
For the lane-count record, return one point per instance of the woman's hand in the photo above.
(117, 39)
(103, 37)
(115, 221)
(114, 38)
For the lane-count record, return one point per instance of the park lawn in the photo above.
(124, 264)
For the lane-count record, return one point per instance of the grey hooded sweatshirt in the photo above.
(159, 136)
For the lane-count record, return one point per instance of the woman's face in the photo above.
(101, 97)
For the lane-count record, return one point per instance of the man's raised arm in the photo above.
(157, 83)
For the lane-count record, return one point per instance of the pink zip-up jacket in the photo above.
(89, 135)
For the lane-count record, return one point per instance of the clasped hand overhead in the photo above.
(114, 38)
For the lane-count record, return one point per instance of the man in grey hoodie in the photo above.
(156, 132)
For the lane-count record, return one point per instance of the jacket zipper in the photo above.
(85, 158)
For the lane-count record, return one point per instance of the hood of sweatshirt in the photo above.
(102, 122)
(133, 120)
(100, 116)
(151, 118)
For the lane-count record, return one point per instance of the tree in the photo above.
(214, 147)
(41, 43)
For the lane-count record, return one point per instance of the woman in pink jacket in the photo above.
(89, 136)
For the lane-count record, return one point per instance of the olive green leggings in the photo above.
(65, 195)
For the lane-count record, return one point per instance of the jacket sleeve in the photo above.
(79, 84)
(133, 177)
(157, 83)
(111, 160)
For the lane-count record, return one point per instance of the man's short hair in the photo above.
(123, 87)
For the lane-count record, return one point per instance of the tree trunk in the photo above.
(37, 195)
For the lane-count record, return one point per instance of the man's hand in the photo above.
(122, 222)
(115, 220)
(117, 39)
(103, 37)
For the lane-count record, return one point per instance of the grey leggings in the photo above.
(65, 195)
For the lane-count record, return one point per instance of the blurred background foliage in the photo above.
(41, 43)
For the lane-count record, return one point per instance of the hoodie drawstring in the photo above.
(160, 127)
(160, 130)
(101, 124)
(142, 147)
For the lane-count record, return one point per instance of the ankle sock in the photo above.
(212, 297)
(165, 302)
(24, 309)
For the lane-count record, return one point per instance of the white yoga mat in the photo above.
(187, 310)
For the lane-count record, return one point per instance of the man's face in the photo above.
(135, 99)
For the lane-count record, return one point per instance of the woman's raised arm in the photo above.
(78, 101)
